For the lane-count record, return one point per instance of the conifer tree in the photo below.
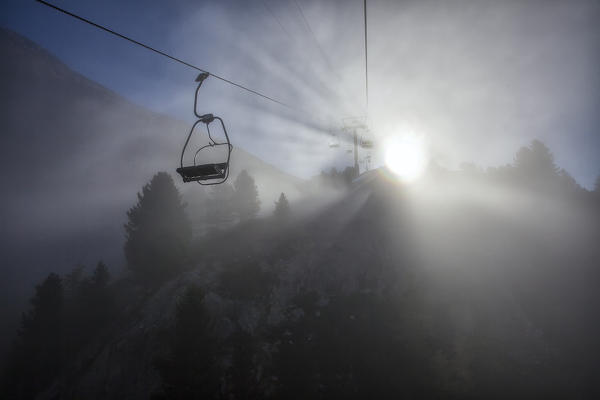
(282, 208)
(190, 371)
(36, 355)
(158, 231)
(219, 206)
(535, 165)
(246, 202)
(98, 299)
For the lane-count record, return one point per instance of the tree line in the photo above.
(67, 312)
(318, 350)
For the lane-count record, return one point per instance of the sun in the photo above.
(405, 156)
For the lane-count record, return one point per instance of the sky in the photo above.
(476, 80)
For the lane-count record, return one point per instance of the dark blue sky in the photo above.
(147, 78)
(80, 45)
(479, 80)
(114, 63)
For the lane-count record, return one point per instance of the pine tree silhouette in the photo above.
(36, 355)
(219, 206)
(282, 208)
(190, 370)
(246, 202)
(158, 232)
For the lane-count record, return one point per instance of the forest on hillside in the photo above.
(480, 283)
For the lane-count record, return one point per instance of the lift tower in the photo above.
(359, 129)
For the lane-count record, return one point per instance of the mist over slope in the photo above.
(73, 156)
(457, 287)
(466, 284)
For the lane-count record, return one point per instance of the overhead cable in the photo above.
(162, 53)
(366, 59)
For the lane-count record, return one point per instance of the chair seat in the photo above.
(203, 172)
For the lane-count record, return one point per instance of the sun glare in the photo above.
(405, 156)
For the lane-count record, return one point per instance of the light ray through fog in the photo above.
(472, 103)
(408, 83)
(435, 65)
(466, 282)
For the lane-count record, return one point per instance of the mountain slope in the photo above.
(73, 156)
(439, 295)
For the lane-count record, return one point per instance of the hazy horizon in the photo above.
(476, 80)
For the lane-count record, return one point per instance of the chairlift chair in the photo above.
(351, 123)
(334, 143)
(367, 162)
(366, 141)
(207, 173)
(356, 125)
